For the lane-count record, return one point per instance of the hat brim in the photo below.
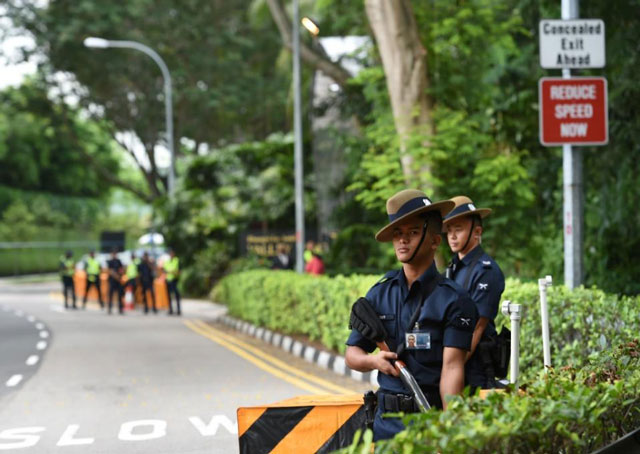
(386, 233)
(482, 212)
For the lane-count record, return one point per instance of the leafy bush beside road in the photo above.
(588, 400)
(582, 321)
(316, 306)
(569, 411)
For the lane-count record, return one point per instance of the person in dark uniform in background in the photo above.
(481, 276)
(67, 269)
(115, 280)
(172, 269)
(147, 274)
(282, 260)
(92, 268)
(446, 316)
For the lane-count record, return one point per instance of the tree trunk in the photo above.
(404, 59)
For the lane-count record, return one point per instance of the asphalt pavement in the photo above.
(93, 383)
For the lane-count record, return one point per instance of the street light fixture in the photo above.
(101, 43)
(311, 26)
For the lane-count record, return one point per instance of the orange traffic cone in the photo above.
(128, 299)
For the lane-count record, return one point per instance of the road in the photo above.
(83, 381)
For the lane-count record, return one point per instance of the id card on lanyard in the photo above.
(417, 339)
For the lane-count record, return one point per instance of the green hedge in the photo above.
(582, 321)
(569, 411)
(316, 306)
(590, 398)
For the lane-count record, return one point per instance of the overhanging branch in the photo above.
(318, 60)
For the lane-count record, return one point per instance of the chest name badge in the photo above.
(417, 341)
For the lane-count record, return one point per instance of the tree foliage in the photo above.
(45, 145)
(226, 88)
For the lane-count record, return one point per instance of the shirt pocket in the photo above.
(389, 323)
(434, 354)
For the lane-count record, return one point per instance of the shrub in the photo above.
(316, 306)
(582, 321)
(567, 411)
(587, 400)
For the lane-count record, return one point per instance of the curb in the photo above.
(324, 359)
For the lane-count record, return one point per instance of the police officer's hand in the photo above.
(382, 362)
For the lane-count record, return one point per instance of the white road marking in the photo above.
(210, 430)
(44, 334)
(39, 325)
(135, 431)
(158, 430)
(25, 435)
(67, 438)
(14, 380)
(32, 360)
(57, 308)
(19, 313)
(41, 345)
(31, 318)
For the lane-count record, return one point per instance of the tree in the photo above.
(226, 87)
(404, 59)
(46, 146)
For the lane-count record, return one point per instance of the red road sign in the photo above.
(573, 111)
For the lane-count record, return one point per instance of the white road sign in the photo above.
(570, 44)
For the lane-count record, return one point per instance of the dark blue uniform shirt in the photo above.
(448, 315)
(485, 284)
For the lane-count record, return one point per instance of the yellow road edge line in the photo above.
(260, 364)
(275, 361)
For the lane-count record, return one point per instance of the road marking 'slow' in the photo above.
(39, 325)
(32, 360)
(41, 345)
(14, 380)
(44, 334)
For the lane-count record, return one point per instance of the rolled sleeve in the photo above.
(461, 319)
(358, 340)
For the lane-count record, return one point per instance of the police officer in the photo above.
(172, 269)
(115, 280)
(131, 274)
(481, 276)
(435, 347)
(92, 268)
(146, 270)
(67, 269)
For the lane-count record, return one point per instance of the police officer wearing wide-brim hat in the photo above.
(477, 273)
(445, 316)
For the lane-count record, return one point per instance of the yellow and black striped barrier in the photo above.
(305, 424)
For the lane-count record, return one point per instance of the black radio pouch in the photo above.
(502, 353)
(370, 404)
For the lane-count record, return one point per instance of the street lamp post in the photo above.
(100, 43)
(297, 131)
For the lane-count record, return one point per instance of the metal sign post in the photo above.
(572, 189)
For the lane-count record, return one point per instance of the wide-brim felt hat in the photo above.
(464, 206)
(406, 204)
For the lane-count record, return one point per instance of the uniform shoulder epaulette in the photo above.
(387, 277)
(486, 263)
